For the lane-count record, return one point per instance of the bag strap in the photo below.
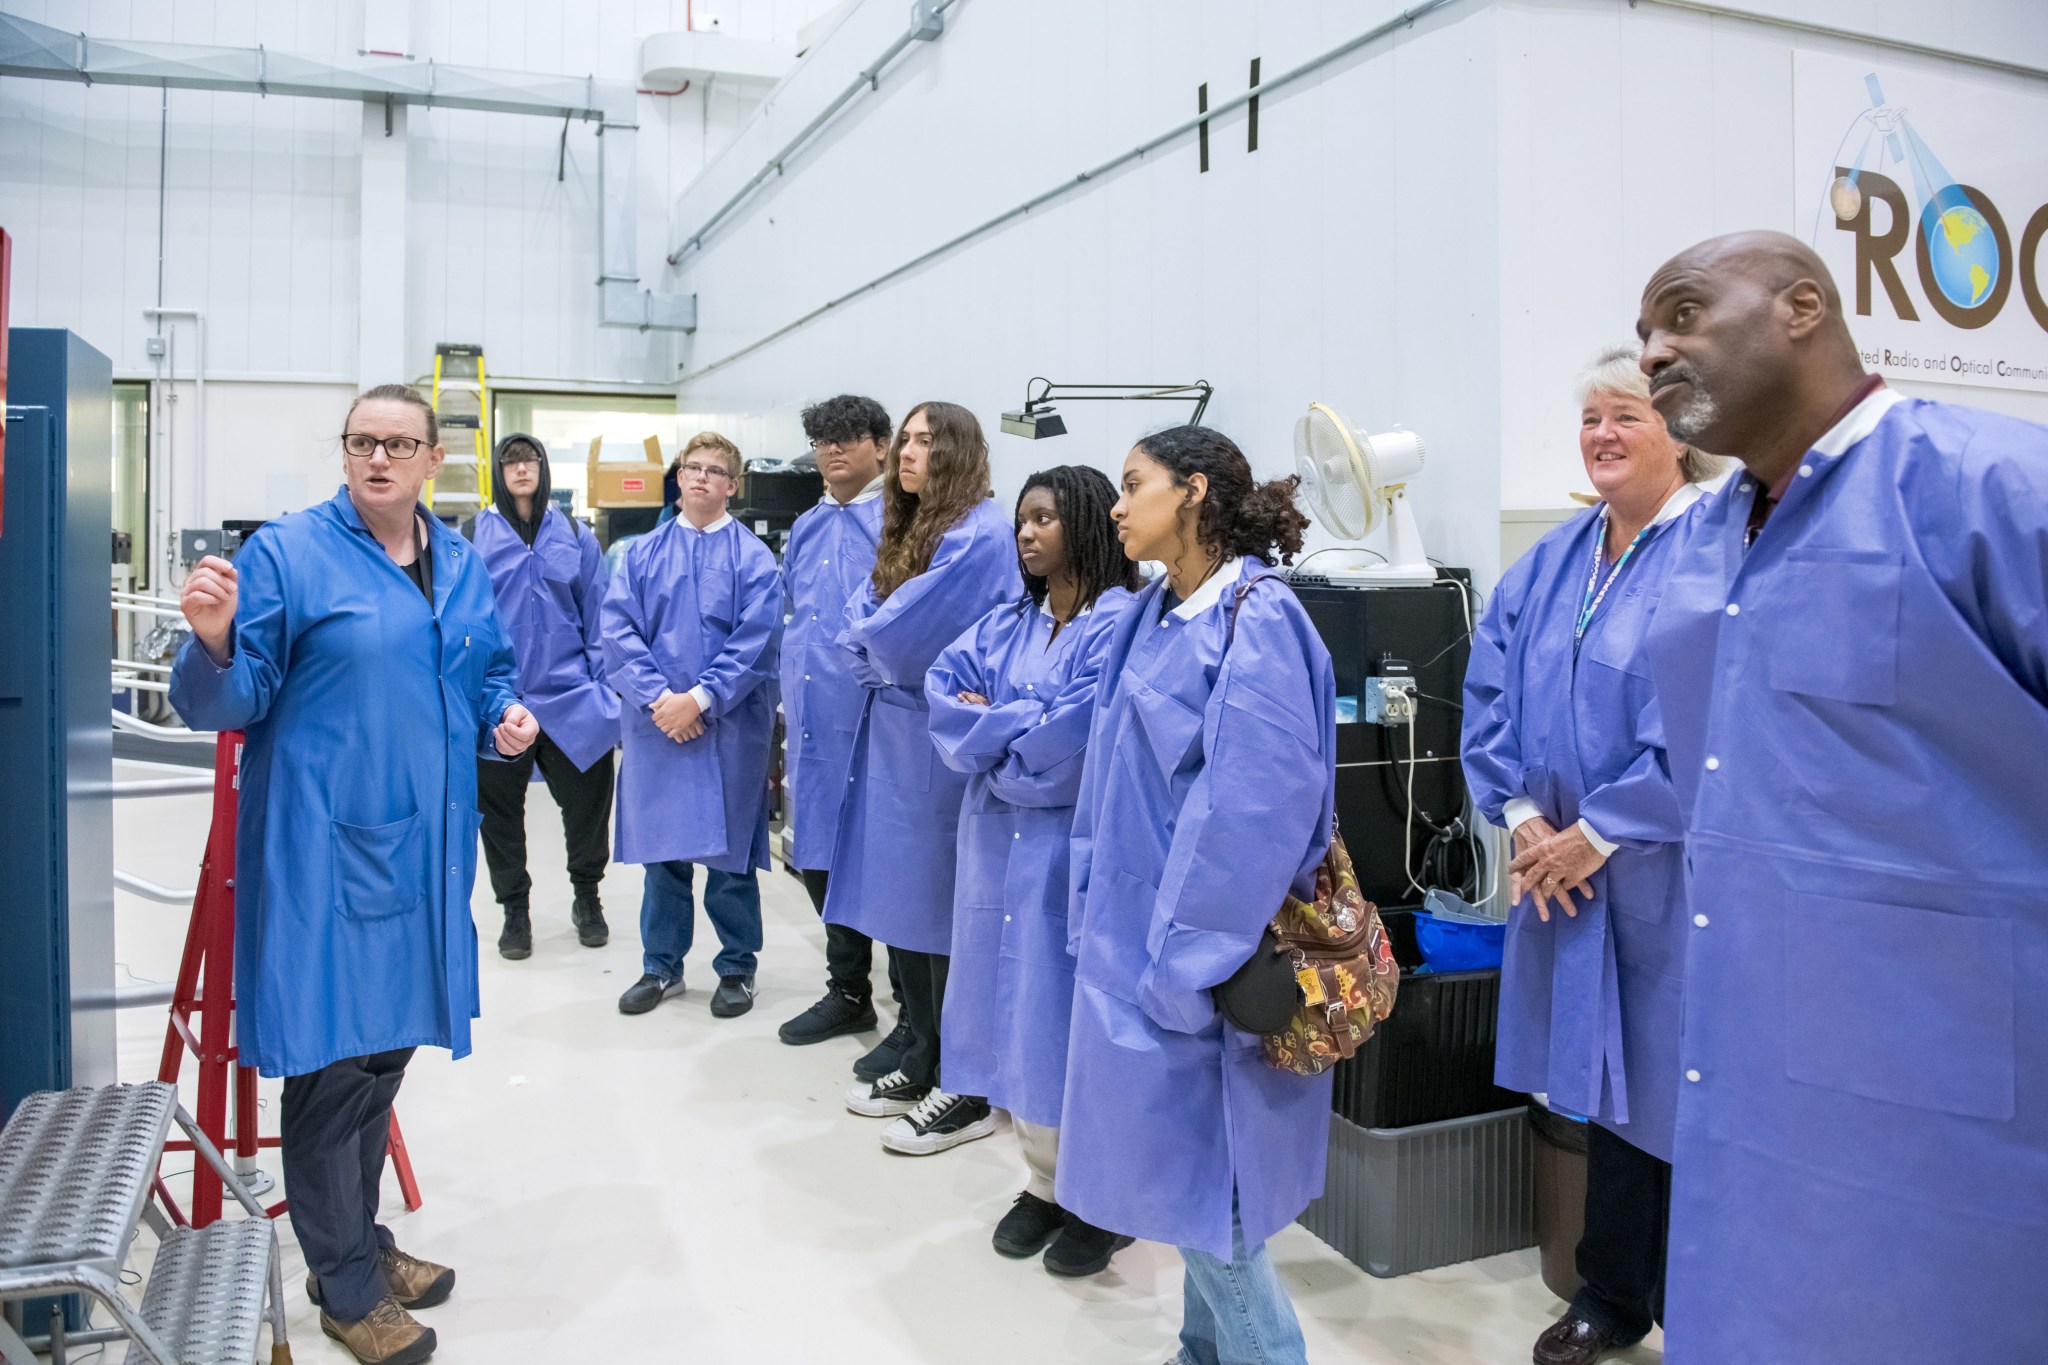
(1237, 603)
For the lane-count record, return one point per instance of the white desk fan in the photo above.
(1353, 481)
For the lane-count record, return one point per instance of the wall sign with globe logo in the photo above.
(1929, 258)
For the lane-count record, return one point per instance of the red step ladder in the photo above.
(203, 1017)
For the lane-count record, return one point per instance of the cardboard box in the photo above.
(626, 483)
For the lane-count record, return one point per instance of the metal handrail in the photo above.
(132, 684)
(161, 786)
(150, 891)
(169, 733)
(146, 608)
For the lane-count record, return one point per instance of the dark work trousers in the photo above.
(586, 801)
(924, 999)
(1621, 1253)
(336, 1125)
(849, 954)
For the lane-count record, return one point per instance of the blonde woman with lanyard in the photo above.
(1563, 747)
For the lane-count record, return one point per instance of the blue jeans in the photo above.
(668, 919)
(1234, 1312)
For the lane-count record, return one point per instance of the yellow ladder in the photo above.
(462, 403)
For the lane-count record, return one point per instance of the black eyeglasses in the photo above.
(363, 446)
(706, 470)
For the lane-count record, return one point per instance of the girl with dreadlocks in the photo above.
(945, 557)
(1012, 701)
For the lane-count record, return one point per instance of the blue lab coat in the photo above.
(549, 595)
(1589, 1006)
(1206, 799)
(355, 839)
(1856, 711)
(829, 554)
(1010, 989)
(692, 608)
(892, 868)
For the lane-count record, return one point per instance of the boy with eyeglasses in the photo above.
(692, 624)
(829, 554)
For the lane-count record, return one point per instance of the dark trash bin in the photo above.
(1560, 1194)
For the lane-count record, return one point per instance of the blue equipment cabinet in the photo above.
(56, 744)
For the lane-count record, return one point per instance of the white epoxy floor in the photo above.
(675, 1187)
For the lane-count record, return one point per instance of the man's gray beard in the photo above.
(1695, 417)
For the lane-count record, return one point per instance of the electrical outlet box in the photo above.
(1390, 699)
(154, 347)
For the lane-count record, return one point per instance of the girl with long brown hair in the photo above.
(946, 557)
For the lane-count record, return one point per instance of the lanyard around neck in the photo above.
(1590, 603)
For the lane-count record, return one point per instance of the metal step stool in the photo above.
(76, 1170)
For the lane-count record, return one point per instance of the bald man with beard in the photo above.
(1851, 658)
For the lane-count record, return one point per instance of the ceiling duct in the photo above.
(34, 51)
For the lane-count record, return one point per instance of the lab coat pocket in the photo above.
(1914, 1007)
(1172, 728)
(900, 745)
(380, 871)
(1617, 642)
(1836, 628)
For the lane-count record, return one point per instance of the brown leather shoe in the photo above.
(388, 1335)
(416, 1283)
(413, 1282)
(1571, 1341)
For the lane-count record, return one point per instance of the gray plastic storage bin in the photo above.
(1405, 1199)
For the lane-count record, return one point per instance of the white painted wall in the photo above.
(1439, 231)
(1625, 136)
(263, 212)
(1352, 259)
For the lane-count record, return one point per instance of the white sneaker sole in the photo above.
(860, 1099)
(901, 1137)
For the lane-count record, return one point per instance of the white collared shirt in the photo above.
(868, 494)
(1211, 591)
(1858, 422)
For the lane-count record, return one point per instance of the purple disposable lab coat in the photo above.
(1010, 989)
(1589, 1005)
(692, 608)
(1856, 710)
(1206, 799)
(829, 554)
(366, 707)
(892, 868)
(549, 595)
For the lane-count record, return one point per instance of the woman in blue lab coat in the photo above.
(548, 575)
(1011, 704)
(1206, 800)
(946, 557)
(357, 645)
(692, 623)
(1563, 747)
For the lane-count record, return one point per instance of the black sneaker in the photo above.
(1083, 1249)
(941, 1121)
(734, 996)
(587, 914)
(886, 1056)
(516, 942)
(835, 1014)
(887, 1097)
(1029, 1225)
(649, 991)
